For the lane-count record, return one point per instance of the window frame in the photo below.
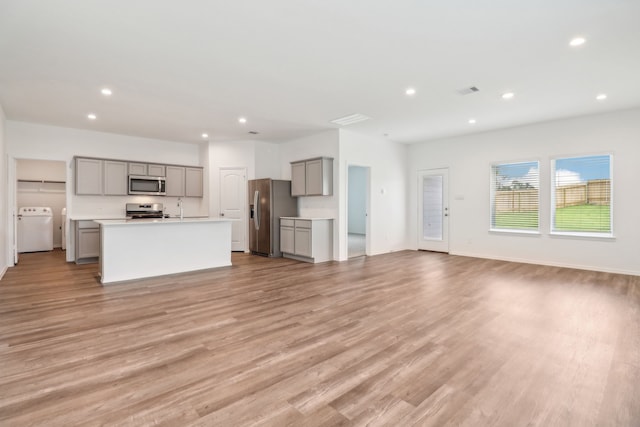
(492, 194)
(552, 200)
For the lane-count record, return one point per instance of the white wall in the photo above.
(5, 240)
(388, 198)
(469, 158)
(267, 160)
(43, 142)
(323, 144)
(357, 199)
(41, 170)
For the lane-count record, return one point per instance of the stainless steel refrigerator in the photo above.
(269, 199)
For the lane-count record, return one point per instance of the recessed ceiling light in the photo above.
(91, 116)
(601, 97)
(205, 135)
(577, 41)
(508, 95)
(472, 121)
(106, 91)
(410, 91)
(242, 120)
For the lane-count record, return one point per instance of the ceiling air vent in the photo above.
(349, 120)
(468, 90)
(253, 132)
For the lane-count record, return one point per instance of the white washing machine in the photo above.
(35, 229)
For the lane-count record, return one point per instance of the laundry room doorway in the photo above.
(41, 191)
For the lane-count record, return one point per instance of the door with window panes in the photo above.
(433, 210)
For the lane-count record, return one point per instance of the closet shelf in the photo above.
(42, 181)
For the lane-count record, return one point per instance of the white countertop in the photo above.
(304, 217)
(112, 217)
(93, 217)
(160, 221)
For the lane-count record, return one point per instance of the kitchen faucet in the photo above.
(180, 206)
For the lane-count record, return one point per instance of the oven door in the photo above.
(150, 185)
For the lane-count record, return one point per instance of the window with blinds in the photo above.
(515, 196)
(581, 195)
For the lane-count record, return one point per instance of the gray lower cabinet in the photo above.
(306, 239)
(87, 241)
(287, 236)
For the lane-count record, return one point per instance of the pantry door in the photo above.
(233, 204)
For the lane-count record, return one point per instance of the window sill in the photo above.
(585, 235)
(509, 231)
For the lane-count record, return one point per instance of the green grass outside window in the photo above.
(585, 218)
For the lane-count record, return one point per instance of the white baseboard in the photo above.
(4, 270)
(549, 263)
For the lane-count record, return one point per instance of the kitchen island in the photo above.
(133, 249)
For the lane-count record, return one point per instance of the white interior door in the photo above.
(357, 210)
(13, 206)
(433, 210)
(233, 204)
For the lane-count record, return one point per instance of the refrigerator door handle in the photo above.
(256, 204)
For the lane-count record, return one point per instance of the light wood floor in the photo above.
(409, 338)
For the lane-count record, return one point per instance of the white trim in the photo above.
(516, 231)
(581, 234)
(4, 270)
(549, 263)
(367, 225)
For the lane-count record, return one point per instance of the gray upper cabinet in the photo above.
(115, 178)
(193, 182)
(175, 181)
(108, 177)
(156, 170)
(145, 169)
(312, 177)
(137, 169)
(298, 179)
(89, 176)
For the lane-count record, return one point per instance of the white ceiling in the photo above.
(180, 68)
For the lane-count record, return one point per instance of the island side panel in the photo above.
(134, 251)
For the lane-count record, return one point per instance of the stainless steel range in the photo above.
(145, 210)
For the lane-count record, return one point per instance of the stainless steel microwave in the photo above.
(148, 185)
